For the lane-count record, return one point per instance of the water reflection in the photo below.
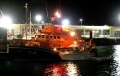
(111, 68)
(116, 64)
(86, 68)
(62, 69)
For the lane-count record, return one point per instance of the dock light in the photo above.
(72, 33)
(55, 49)
(65, 22)
(5, 22)
(75, 42)
(38, 18)
(58, 14)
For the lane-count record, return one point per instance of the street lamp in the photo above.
(38, 18)
(81, 21)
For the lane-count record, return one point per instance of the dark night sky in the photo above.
(99, 12)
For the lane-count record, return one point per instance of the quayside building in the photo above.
(102, 31)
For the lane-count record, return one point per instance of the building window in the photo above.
(12, 31)
(106, 32)
(117, 33)
(1, 37)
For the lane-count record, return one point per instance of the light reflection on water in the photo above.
(81, 68)
(72, 68)
(116, 64)
(62, 69)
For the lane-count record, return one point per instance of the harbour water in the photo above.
(62, 68)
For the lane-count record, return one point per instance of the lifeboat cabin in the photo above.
(55, 37)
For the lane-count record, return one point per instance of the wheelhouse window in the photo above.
(58, 37)
(43, 36)
(54, 37)
(51, 37)
(47, 36)
(53, 45)
(36, 36)
(59, 45)
(39, 36)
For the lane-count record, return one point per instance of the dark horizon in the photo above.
(92, 12)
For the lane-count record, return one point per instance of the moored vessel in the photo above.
(67, 43)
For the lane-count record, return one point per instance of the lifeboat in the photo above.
(54, 37)
(59, 40)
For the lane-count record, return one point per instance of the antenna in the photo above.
(60, 12)
(1, 13)
(30, 23)
(26, 6)
(59, 7)
(46, 9)
(59, 4)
